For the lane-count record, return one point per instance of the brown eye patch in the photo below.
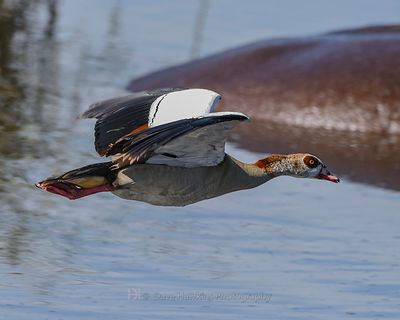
(311, 161)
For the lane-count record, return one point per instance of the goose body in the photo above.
(168, 148)
(180, 186)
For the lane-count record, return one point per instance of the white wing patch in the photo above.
(185, 104)
(202, 147)
(124, 179)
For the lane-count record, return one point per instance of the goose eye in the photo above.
(311, 162)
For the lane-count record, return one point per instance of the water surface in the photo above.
(309, 249)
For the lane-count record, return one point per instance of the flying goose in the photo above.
(167, 148)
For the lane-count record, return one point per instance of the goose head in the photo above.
(299, 165)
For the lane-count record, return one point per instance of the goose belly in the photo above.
(168, 186)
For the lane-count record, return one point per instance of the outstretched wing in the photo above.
(137, 112)
(186, 143)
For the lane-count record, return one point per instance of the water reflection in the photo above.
(29, 71)
(11, 90)
(198, 29)
(41, 90)
(43, 78)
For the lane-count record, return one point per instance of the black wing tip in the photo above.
(215, 118)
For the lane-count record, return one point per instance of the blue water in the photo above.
(290, 249)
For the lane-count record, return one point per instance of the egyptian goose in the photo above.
(168, 148)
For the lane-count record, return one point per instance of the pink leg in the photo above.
(72, 191)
